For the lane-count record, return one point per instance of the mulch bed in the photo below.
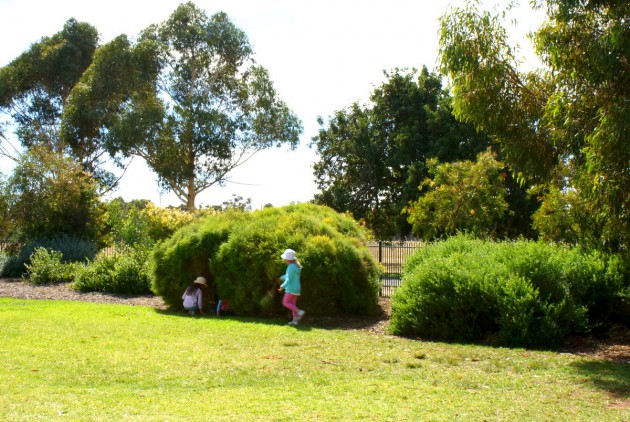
(614, 345)
(16, 288)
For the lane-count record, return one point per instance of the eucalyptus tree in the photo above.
(34, 92)
(188, 98)
(564, 128)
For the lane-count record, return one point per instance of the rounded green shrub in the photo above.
(526, 293)
(183, 257)
(127, 272)
(48, 267)
(241, 257)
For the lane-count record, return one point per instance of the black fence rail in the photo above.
(391, 255)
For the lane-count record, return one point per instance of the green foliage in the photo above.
(372, 158)
(50, 195)
(6, 223)
(222, 106)
(186, 255)
(34, 92)
(462, 196)
(527, 293)
(127, 272)
(72, 249)
(338, 275)
(586, 46)
(46, 266)
(564, 130)
(140, 223)
(4, 260)
(239, 253)
(569, 216)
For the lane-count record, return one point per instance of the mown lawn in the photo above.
(85, 361)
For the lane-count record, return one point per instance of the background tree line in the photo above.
(186, 96)
(501, 152)
(376, 160)
(560, 167)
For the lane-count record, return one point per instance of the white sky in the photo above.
(321, 55)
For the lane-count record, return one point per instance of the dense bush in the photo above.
(73, 249)
(186, 255)
(48, 267)
(239, 253)
(529, 293)
(126, 272)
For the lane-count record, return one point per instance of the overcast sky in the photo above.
(321, 55)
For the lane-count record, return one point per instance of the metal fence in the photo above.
(392, 255)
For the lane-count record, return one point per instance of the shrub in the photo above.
(448, 296)
(239, 253)
(73, 249)
(187, 254)
(127, 272)
(47, 267)
(529, 293)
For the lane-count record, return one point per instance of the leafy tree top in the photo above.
(187, 97)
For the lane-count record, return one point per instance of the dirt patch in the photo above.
(376, 324)
(16, 288)
(614, 345)
(620, 404)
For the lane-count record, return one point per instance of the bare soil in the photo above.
(613, 346)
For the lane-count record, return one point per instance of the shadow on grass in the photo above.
(231, 318)
(613, 377)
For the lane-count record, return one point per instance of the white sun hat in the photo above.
(289, 255)
(201, 280)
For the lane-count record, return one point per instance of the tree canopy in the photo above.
(372, 158)
(187, 97)
(564, 128)
(34, 92)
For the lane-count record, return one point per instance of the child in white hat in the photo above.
(193, 296)
(291, 285)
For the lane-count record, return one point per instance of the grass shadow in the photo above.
(613, 377)
(239, 319)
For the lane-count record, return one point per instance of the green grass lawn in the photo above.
(85, 361)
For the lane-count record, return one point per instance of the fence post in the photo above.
(380, 251)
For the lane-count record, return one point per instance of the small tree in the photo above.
(565, 213)
(462, 196)
(140, 223)
(50, 195)
(5, 221)
(571, 118)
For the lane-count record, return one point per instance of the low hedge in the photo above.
(47, 267)
(525, 293)
(72, 249)
(126, 272)
(239, 254)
